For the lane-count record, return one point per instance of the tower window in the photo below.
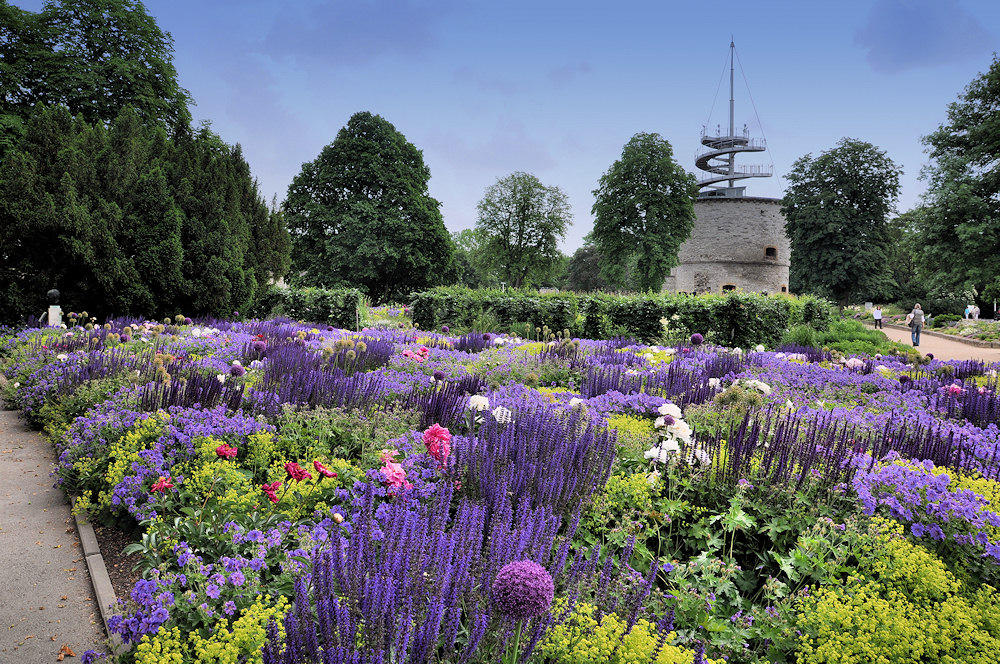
(728, 287)
(784, 289)
(771, 252)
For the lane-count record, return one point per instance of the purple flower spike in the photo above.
(523, 589)
(697, 339)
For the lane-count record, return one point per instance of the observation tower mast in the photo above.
(719, 159)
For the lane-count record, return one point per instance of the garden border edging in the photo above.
(100, 579)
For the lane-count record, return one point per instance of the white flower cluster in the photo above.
(854, 363)
(675, 436)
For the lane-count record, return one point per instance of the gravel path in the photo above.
(943, 348)
(47, 602)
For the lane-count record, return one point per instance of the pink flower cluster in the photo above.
(419, 356)
(437, 439)
(224, 451)
(297, 472)
(393, 472)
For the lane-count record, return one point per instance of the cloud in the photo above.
(508, 149)
(913, 34)
(564, 75)
(352, 32)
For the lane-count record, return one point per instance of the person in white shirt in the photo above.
(877, 315)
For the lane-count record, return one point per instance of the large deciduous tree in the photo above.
(959, 232)
(94, 56)
(360, 215)
(643, 212)
(519, 226)
(584, 269)
(837, 209)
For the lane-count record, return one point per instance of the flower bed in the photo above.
(313, 494)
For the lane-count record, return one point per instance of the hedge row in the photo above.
(734, 319)
(338, 307)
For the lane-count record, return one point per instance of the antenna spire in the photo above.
(720, 158)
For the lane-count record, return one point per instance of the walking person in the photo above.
(916, 323)
(877, 315)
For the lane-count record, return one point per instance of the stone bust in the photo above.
(53, 296)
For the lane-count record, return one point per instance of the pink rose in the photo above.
(437, 439)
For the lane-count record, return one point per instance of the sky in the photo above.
(489, 87)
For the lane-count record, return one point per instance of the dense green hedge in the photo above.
(338, 307)
(734, 319)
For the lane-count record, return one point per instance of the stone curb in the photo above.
(100, 579)
(952, 337)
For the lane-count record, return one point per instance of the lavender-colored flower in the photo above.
(523, 589)
(445, 329)
(237, 370)
(697, 339)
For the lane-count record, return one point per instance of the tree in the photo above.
(960, 231)
(584, 270)
(124, 221)
(519, 226)
(360, 215)
(837, 211)
(643, 212)
(94, 56)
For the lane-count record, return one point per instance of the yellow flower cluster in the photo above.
(634, 433)
(223, 646)
(582, 639)
(903, 606)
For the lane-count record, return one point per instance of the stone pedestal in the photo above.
(55, 315)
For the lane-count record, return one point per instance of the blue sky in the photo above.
(487, 87)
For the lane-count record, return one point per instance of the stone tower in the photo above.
(738, 241)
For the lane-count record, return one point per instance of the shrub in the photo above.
(338, 307)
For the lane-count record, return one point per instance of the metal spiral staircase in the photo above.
(719, 159)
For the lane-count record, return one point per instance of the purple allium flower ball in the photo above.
(523, 589)
(904, 379)
(187, 321)
(930, 356)
(124, 338)
(486, 337)
(258, 346)
(438, 376)
(237, 370)
(697, 339)
(329, 328)
(445, 329)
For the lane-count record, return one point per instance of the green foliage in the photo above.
(124, 221)
(643, 212)
(584, 270)
(836, 210)
(95, 58)
(588, 637)
(520, 222)
(944, 320)
(361, 216)
(460, 307)
(851, 337)
(333, 432)
(959, 229)
(338, 307)
(801, 335)
(902, 606)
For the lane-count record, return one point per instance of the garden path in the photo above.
(943, 349)
(47, 600)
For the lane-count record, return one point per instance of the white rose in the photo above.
(62, 356)
(503, 415)
(195, 331)
(661, 453)
(654, 349)
(714, 382)
(478, 402)
(759, 348)
(737, 351)
(575, 401)
(221, 378)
